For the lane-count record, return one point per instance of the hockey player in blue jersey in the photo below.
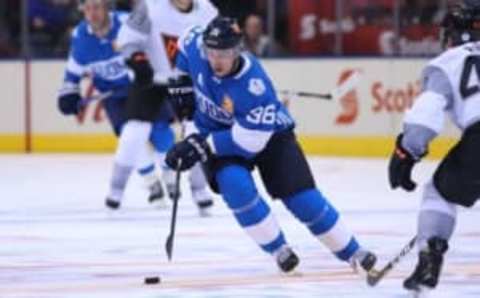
(243, 125)
(92, 54)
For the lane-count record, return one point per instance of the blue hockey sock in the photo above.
(323, 220)
(250, 210)
(147, 170)
(162, 136)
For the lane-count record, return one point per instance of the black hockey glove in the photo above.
(69, 104)
(190, 151)
(148, 93)
(182, 97)
(141, 67)
(400, 167)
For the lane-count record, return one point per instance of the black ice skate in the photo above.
(112, 204)
(157, 194)
(363, 261)
(204, 208)
(429, 265)
(287, 260)
(204, 201)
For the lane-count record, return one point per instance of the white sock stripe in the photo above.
(197, 178)
(160, 158)
(247, 207)
(265, 231)
(337, 238)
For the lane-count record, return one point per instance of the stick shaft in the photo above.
(99, 97)
(341, 90)
(305, 94)
(173, 219)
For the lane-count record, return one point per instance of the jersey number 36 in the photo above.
(262, 115)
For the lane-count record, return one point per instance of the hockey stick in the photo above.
(173, 219)
(86, 101)
(341, 90)
(99, 97)
(327, 96)
(374, 276)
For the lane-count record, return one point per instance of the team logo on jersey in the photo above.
(170, 43)
(112, 69)
(256, 87)
(212, 110)
(227, 104)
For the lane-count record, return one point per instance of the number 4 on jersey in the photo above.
(469, 82)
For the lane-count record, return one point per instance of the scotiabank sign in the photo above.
(393, 100)
(312, 28)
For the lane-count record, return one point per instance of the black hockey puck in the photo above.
(151, 280)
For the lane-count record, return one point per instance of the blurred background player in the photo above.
(450, 84)
(247, 127)
(255, 40)
(148, 40)
(92, 54)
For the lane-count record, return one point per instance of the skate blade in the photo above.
(204, 212)
(159, 204)
(422, 292)
(293, 273)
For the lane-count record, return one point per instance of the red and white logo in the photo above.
(349, 101)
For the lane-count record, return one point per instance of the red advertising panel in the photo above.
(366, 30)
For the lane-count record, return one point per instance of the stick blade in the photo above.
(169, 247)
(373, 278)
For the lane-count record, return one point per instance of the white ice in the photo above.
(58, 240)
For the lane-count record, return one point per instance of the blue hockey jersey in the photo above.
(241, 112)
(96, 57)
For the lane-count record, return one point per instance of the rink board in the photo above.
(363, 122)
(312, 145)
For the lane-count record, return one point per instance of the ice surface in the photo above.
(58, 240)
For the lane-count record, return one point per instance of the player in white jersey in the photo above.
(148, 40)
(450, 85)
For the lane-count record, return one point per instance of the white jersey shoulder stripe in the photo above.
(250, 140)
(74, 67)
